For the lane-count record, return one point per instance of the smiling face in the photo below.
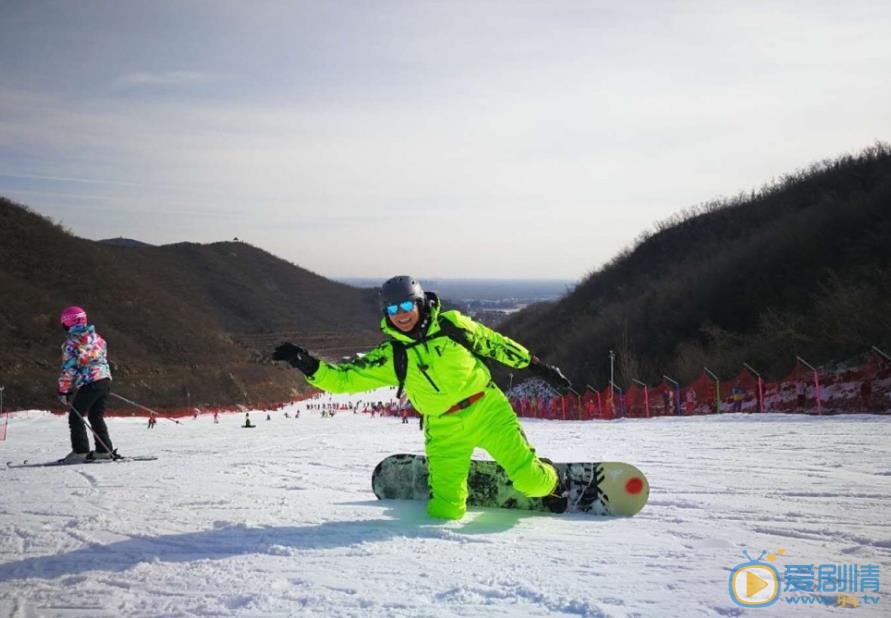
(405, 320)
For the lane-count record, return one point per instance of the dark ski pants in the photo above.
(90, 401)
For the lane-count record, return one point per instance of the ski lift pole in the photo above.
(142, 407)
(677, 394)
(646, 396)
(874, 349)
(599, 403)
(614, 388)
(760, 386)
(578, 400)
(717, 389)
(816, 383)
(612, 395)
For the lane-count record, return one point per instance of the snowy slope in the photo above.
(280, 521)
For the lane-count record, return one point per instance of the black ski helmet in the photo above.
(401, 288)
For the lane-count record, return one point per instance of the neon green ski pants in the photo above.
(491, 424)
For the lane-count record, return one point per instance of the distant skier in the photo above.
(801, 394)
(247, 421)
(86, 376)
(152, 421)
(737, 394)
(450, 387)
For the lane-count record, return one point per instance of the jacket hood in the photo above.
(427, 325)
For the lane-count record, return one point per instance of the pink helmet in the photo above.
(73, 316)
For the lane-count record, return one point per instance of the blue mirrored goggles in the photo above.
(406, 306)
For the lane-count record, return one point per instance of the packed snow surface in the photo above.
(280, 520)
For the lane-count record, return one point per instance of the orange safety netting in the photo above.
(664, 399)
(637, 401)
(797, 392)
(743, 393)
(699, 397)
(861, 388)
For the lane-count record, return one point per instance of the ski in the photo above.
(89, 462)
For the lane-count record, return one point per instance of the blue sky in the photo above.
(446, 139)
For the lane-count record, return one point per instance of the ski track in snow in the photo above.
(281, 520)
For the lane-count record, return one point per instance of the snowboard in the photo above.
(607, 488)
(89, 462)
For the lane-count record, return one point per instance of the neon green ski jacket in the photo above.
(441, 372)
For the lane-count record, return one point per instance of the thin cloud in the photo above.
(100, 181)
(139, 79)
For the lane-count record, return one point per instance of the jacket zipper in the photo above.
(423, 367)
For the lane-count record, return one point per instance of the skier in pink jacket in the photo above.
(85, 377)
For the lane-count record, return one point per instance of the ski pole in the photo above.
(90, 427)
(124, 399)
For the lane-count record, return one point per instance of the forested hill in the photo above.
(184, 322)
(802, 267)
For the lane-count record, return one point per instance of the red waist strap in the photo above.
(465, 403)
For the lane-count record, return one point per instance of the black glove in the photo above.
(297, 357)
(550, 374)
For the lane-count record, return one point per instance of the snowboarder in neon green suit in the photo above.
(452, 389)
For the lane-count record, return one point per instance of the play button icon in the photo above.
(754, 584)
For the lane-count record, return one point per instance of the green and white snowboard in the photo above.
(608, 488)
